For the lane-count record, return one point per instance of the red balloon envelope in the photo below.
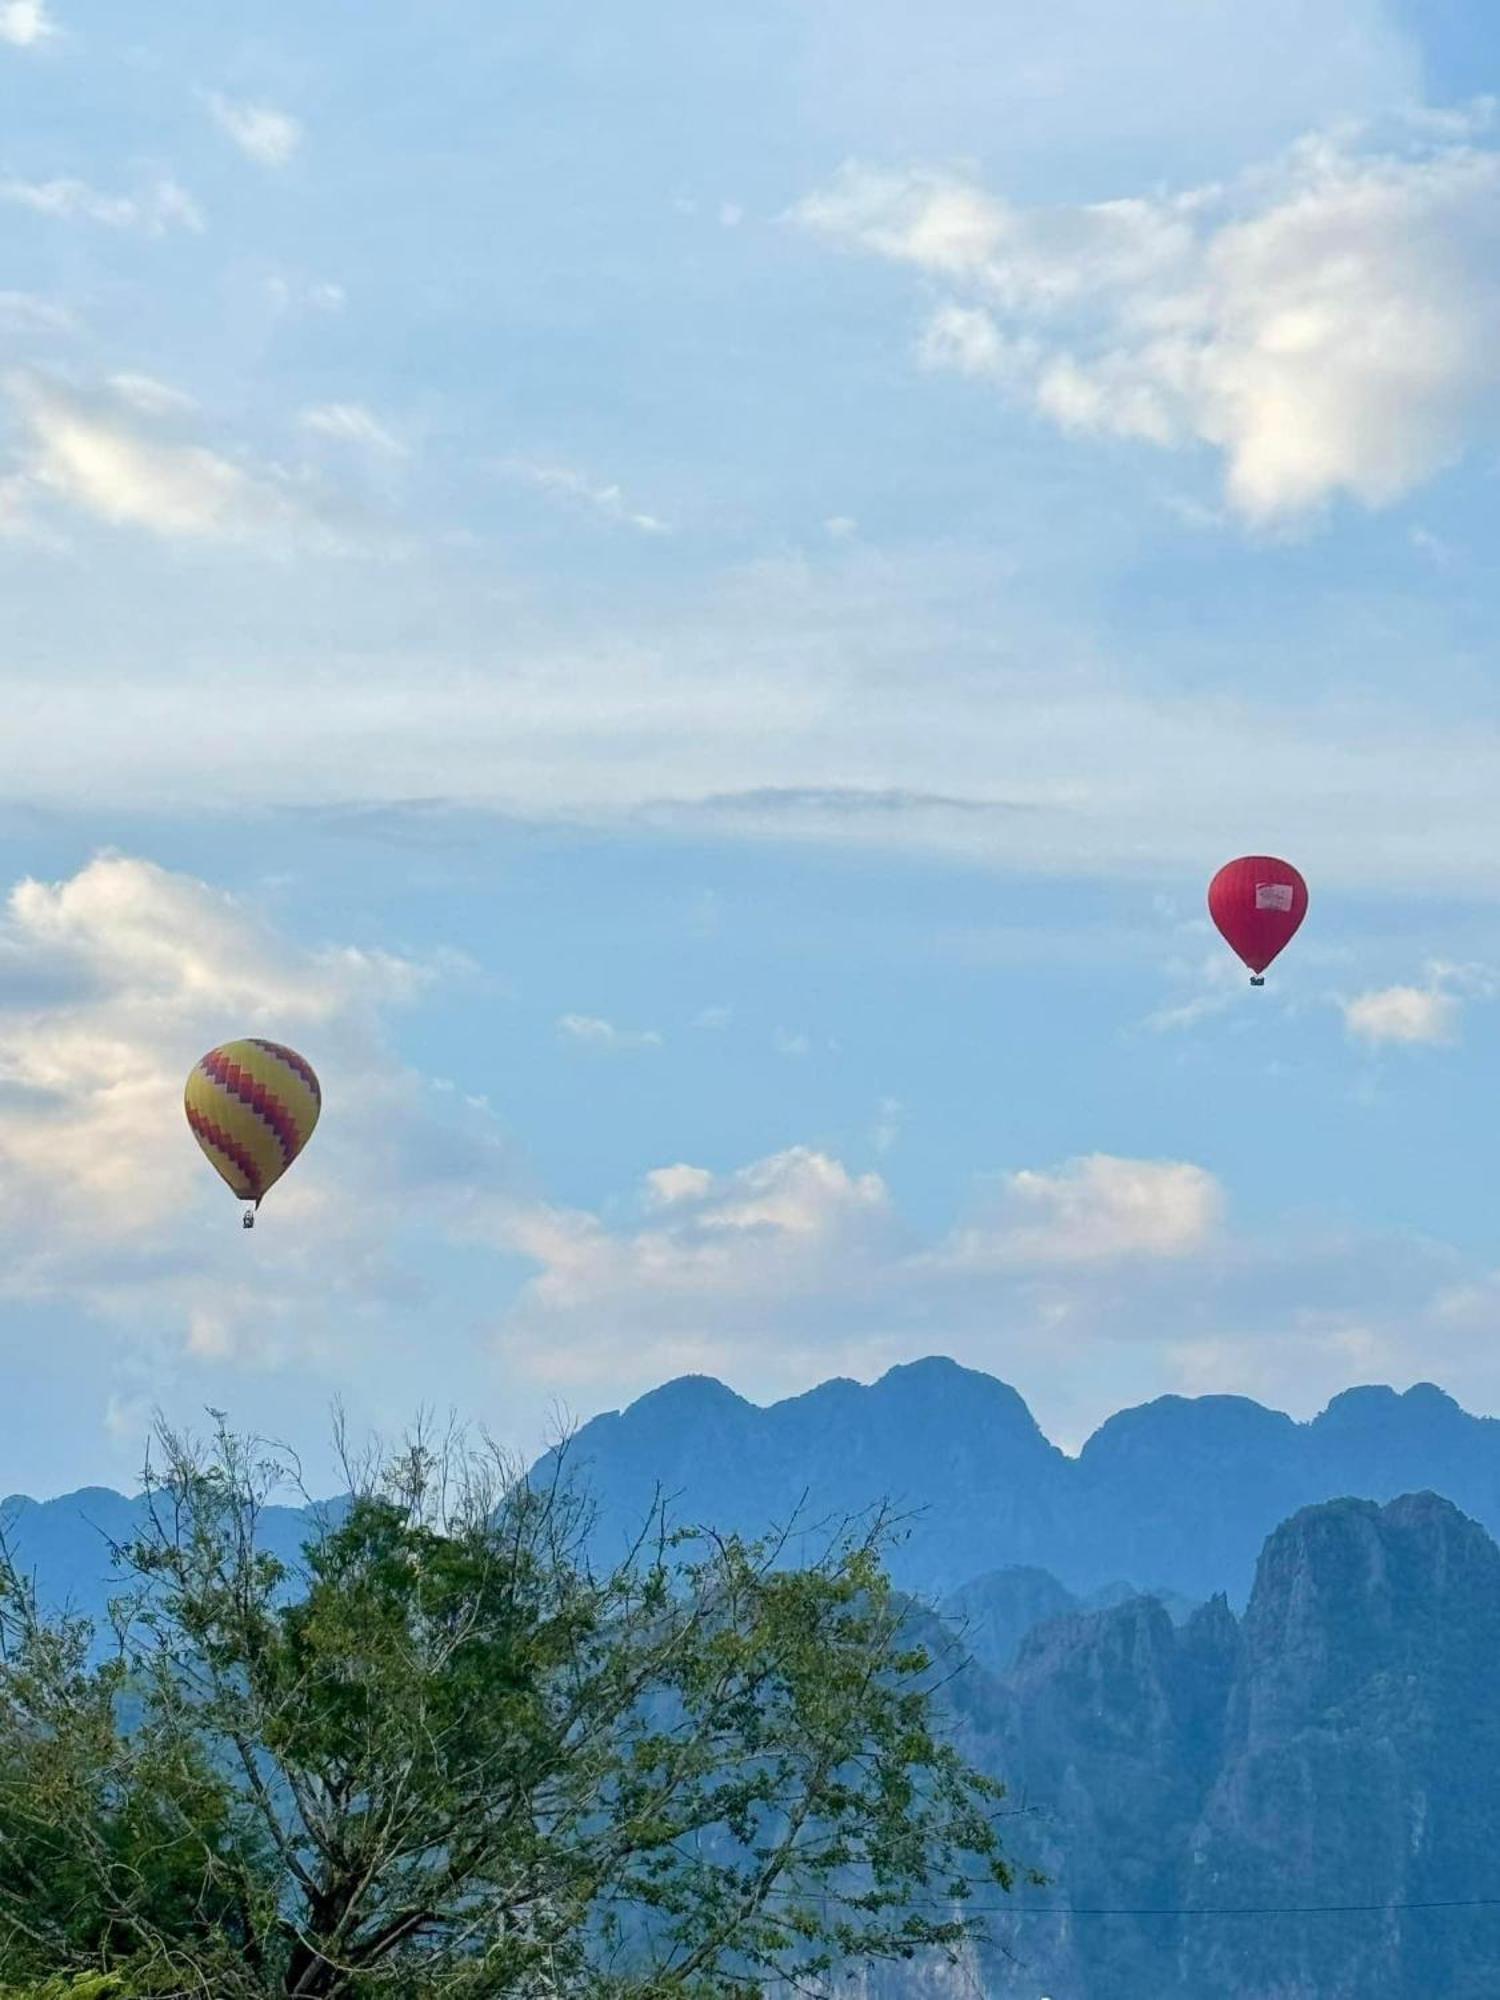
(1257, 903)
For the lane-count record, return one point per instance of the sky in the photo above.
(685, 601)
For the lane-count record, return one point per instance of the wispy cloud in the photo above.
(290, 295)
(887, 1130)
(152, 398)
(269, 137)
(352, 423)
(588, 1031)
(154, 211)
(101, 455)
(1326, 323)
(603, 497)
(24, 312)
(131, 453)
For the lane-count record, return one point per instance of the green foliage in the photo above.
(449, 1760)
(82, 1986)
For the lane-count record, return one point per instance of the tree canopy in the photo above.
(447, 1756)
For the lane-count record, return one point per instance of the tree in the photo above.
(446, 1757)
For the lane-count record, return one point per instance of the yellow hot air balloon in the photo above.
(252, 1106)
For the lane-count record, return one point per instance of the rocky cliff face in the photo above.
(1339, 1745)
(1361, 1762)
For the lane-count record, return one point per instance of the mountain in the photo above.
(66, 1544)
(1177, 1495)
(957, 1443)
(995, 1612)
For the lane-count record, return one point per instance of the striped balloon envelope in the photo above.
(252, 1106)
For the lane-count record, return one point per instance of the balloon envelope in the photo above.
(252, 1106)
(1257, 903)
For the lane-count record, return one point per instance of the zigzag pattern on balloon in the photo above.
(293, 1062)
(213, 1140)
(249, 1090)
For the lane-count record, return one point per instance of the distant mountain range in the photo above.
(1176, 1496)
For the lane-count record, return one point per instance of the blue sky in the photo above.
(686, 604)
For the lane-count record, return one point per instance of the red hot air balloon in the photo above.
(1257, 903)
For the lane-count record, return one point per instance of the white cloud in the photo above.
(1098, 1209)
(93, 454)
(666, 1185)
(1430, 1013)
(262, 134)
(719, 1255)
(160, 208)
(351, 423)
(127, 454)
(25, 23)
(604, 498)
(794, 1262)
(1403, 1014)
(1327, 324)
(591, 1032)
(793, 1044)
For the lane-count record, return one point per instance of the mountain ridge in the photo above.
(1178, 1493)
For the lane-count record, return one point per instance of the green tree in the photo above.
(446, 1757)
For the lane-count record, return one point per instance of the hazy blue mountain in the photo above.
(66, 1544)
(1177, 1496)
(957, 1443)
(995, 1612)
